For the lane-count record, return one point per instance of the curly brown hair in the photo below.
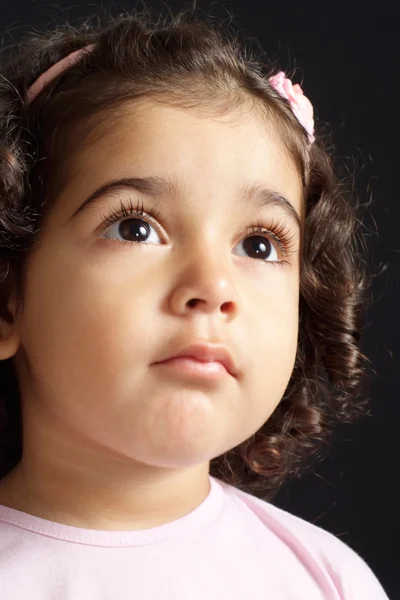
(187, 60)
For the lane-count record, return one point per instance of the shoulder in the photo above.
(350, 573)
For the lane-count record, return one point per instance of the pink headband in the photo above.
(58, 68)
(300, 104)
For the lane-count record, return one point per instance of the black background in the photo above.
(350, 71)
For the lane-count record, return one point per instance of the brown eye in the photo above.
(133, 230)
(259, 247)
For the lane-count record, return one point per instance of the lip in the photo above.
(208, 353)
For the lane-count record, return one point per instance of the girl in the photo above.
(180, 293)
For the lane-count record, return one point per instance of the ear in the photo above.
(9, 336)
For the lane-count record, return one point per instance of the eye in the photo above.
(136, 228)
(133, 230)
(261, 247)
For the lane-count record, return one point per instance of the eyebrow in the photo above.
(156, 187)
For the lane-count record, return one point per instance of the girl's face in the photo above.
(106, 302)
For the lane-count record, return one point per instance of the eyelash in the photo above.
(278, 231)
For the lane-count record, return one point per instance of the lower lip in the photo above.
(196, 368)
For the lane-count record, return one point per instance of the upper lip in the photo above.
(209, 353)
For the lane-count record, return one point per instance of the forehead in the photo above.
(195, 147)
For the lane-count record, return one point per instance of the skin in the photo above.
(107, 432)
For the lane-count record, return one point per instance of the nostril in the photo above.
(226, 306)
(193, 302)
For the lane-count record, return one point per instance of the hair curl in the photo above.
(187, 61)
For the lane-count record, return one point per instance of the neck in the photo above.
(113, 495)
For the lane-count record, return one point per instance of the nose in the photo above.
(205, 284)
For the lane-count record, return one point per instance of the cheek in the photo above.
(79, 320)
(274, 327)
(92, 321)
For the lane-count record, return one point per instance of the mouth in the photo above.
(202, 360)
(187, 365)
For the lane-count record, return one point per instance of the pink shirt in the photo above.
(232, 546)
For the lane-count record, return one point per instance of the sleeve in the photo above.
(354, 578)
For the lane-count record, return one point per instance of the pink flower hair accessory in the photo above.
(300, 104)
